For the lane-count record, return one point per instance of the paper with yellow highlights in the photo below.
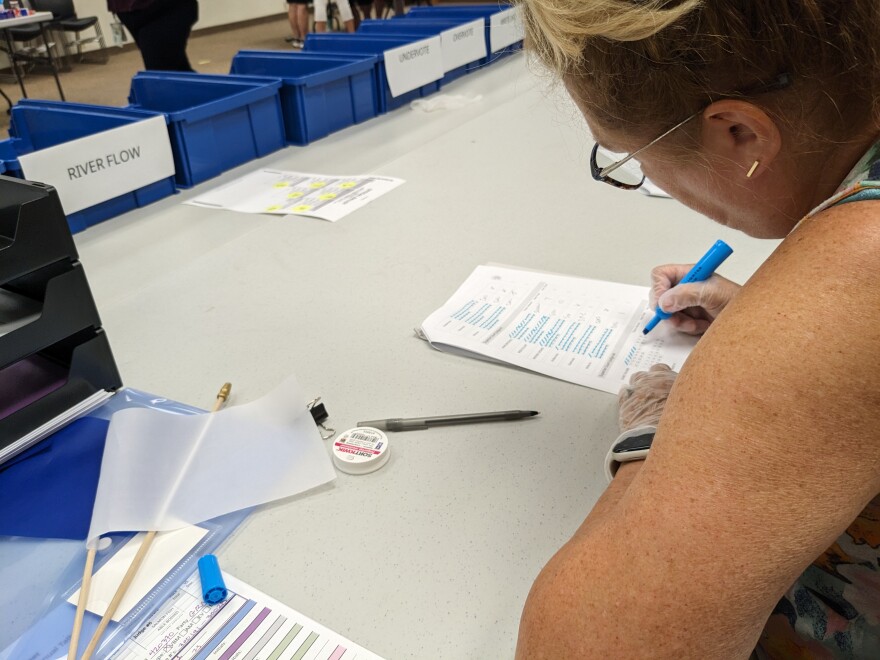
(328, 197)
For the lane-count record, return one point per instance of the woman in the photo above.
(754, 524)
(160, 29)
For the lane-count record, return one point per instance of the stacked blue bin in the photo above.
(216, 122)
(416, 29)
(465, 13)
(318, 95)
(9, 159)
(36, 125)
(375, 46)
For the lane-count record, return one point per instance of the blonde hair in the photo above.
(649, 63)
(558, 29)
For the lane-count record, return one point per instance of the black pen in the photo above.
(415, 423)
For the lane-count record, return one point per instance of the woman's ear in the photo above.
(741, 133)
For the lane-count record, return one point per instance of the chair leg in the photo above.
(65, 48)
(59, 37)
(105, 55)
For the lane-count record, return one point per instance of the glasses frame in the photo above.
(781, 81)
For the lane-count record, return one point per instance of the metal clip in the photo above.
(320, 415)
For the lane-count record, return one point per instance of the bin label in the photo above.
(505, 28)
(93, 169)
(463, 44)
(413, 65)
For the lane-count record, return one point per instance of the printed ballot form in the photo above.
(247, 625)
(328, 197)
(587, 332)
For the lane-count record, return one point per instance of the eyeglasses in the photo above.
(626, 173)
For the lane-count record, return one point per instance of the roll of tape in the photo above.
(361, 450)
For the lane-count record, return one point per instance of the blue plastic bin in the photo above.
(419, 29)
(354, 44)
(216, 122)
(9, 159)
(36, 125)
(467, 13)
(318, 95)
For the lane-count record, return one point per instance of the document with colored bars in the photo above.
(587, 332)
(248, 625)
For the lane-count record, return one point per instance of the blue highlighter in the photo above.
(213, 588)
(701, 271)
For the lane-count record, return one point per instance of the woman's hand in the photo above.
(641, 402)
(695, 305)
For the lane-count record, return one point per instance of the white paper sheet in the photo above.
(76, 411)
(162, 471)
(328, 197)
(166, 551)
(248, 624)
(578, 330)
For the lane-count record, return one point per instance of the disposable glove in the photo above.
(696, 304)
(640, 403)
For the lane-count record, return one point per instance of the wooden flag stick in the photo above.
(222, 397)
(120, 593)
(81, 603)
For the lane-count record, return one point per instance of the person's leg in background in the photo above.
(298, 17)
(291, 18)
(161, 32)
(320, 9)
(362, 10)
(302, 18)
(346, 14)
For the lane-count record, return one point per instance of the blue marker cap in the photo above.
(213, 588)
(701, 271)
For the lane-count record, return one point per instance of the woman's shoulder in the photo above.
(845, 233)
(826, 271)
(805, 328)
(812, 311)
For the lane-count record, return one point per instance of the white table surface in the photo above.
(18, 21)
(433, 555)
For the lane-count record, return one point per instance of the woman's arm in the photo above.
(768, 448)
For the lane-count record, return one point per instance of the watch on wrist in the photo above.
(632, 445)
